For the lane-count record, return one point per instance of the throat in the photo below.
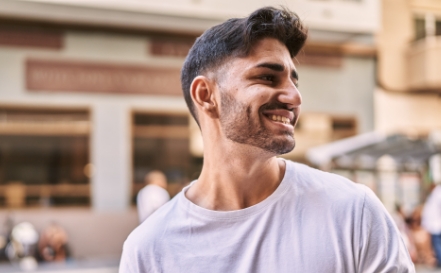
(233, 191)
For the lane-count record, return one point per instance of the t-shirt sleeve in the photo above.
(137, 258)
(126, 262)
(382, 248)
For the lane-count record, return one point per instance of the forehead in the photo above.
(268, 50)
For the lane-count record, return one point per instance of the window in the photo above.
(44, 157)
(438, 28)
(343, 127)
(162, 142)
(423, 30)
(420, 29)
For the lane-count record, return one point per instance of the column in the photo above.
(387, 181)
(111, 157)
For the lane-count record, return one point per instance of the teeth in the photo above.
(280, 119)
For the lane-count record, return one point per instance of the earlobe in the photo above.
(203, 96)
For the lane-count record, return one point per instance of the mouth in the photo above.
(280, 116)
(279, 119)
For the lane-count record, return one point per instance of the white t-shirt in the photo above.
(313, 222)
(149, 199)
(431, 216)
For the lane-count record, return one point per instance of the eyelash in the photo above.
(268, 76)
(272, 79)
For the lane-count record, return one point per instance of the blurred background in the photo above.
(90, 101)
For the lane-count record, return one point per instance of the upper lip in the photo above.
(281, 112)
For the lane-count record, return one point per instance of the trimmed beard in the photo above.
(238, 126)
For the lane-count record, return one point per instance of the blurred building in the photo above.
(90, 101)
(409, 64)
(401, 160)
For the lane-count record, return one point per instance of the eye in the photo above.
(269, 78)
(295, 82)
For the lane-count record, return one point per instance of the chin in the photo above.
(281, 147)
(287, 149)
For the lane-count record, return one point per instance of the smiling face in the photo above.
(260, 102)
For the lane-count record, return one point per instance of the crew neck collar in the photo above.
(185, 203)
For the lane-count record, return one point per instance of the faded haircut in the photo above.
(235, 38)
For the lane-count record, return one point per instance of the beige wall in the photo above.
(393, 41)
(407, 99)
(420, 6)
(424, 65)
(357, 16)
(414, 114)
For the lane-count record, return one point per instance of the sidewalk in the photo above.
(90, 266)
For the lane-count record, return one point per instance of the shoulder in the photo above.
(306, 180)
(141, 246)
(150, 231)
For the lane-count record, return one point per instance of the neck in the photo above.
(235, 177)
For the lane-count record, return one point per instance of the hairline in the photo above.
(212, 73)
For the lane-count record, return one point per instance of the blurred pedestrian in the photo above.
(431, 220)
(250, 211)
(406, 234)
(153, 195)
(52, 245)
(421, 239)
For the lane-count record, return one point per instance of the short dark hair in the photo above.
(235, 38)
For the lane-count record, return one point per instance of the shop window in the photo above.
(343, 127)
(162, 142)
(44, 156)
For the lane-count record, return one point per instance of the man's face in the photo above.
(260, 102)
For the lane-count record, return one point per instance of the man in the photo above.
(153, 195)
(250, 211)
(431, 220)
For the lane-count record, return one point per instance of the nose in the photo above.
(289, 94)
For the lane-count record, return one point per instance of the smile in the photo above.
(280, 116)
(280, 119)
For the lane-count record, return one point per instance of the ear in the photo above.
(202, 93)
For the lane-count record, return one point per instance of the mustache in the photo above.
(275, 105)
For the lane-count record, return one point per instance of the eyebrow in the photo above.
(279, 68)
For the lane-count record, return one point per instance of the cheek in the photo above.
(255, 95)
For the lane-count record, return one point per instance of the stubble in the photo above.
(239, 126)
